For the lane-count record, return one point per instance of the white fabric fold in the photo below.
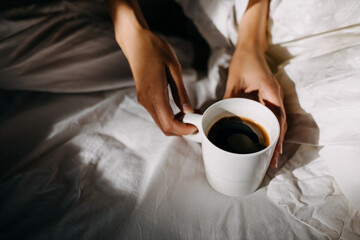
(106, 167)
(216, 20)
(318, 69)
(306, 187)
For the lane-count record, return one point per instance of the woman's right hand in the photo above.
(154, 66)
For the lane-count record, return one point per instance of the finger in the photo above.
(279, 145)
(274, 101)
(169, 124)
(178, 90)
(231, 90)
(228, 93)
(280, 115)
(228, 90)
(180, 117)
(167, 121)
(168, 130)
(275, 159)
(157, 104)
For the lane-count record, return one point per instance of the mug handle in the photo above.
(194, 119)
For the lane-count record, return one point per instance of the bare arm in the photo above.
(154, 65)
(249, 72)
(252, 27)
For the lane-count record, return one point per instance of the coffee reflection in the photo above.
(238, 135)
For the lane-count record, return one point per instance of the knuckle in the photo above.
(275, 86)
(167, 133)
(141, 98)
(285, 126)
(166, 126)
(283, 115)
(177, 66)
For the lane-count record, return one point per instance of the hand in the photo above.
(154, 65)
(250, 74)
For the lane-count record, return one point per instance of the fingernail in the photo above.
(187, 108)
(195, 130)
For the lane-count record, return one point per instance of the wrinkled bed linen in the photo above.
(96, 166)
(320, 71)
(72, 37)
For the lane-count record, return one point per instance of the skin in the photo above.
(150, 58)
(155, 66)
(249, 72)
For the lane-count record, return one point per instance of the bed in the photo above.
(81, 159)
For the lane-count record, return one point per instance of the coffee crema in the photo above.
(238, 135)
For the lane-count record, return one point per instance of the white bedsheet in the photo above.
(102, 169)
(94, 165)
(320, 72)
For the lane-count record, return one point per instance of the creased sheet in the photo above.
(95, 165)
(317, 63)
(306, 187)
(101, 168)
(319, 71)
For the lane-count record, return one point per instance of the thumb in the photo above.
(178, 90)
(228, 93)
(231, 89)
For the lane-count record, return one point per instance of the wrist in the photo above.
(128, 37)
(250, 48)
(128, 20)
(252, 55)
(252, 28)
(255, 46)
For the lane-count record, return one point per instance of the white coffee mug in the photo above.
(235, 174)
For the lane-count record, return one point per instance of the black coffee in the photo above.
(238, 135)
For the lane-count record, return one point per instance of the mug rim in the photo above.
(242, 100)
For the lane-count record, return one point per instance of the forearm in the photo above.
(252, 27)
(128, 22)
(249, 72)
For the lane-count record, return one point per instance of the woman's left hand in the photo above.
(250, 74)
